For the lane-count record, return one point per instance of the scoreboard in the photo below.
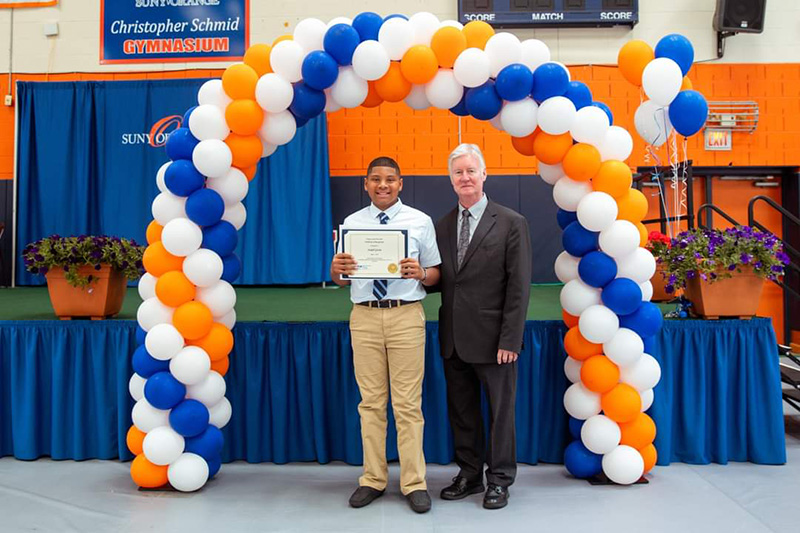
(550, 13)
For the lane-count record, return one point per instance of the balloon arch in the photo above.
(188, 309)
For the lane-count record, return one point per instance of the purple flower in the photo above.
(690, 274)
(703, 277)
(669, 289)
(39, 257)
(697, 255)
(745, 258)
(758, 264)
(731, 267)
(97, 267)
(672, 279)
(713, 275)
(782, 257)
(777, 268)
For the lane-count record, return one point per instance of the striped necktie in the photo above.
(381, 286)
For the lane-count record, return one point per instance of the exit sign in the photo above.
(718, 140)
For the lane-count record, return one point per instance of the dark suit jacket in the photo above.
(485, 302)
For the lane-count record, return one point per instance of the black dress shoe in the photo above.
(364, 496)
(419, 501)
(461, 488)
(496, 497)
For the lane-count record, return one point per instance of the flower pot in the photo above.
(101, 298)
(736, 296)
(659, 282)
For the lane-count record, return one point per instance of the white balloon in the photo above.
(580, 402)
(623, 465)
(503, 49)
(163, 342)
(647, 291)
(349, 90)
(496, 122)
(168, 206)
(267, 149)
(212, 93)
(228, 319)
(533, 53)
(191, 365)
(568, 193)
(652, 122)
(425, 25)
(189, 472)
(576, 296)
(136, 386)
(472, 67)
(232, 187)
(557, 115)
(624, 348)
(639, 266)
(220, 414)
(208, 122)
(340, 20)
(647, 399)
(278, 128)
(163, 446)
(519, 118)
(551, 173)
(203, 267)
(642, 375)
(286, 60)
(236, 214)
(590, 126)
(181, 237)
(273, 93)
(572, 368)
(147, 286)
(209, 391)
(598, 324)
(146, 417)
(416, 99)
(444, 91)
(600, 434)
(331, 105)
(370, 60)
(219, 298)
(566, 267)
(620, 239)
(309, 34)
(212, 158)
(597, 211)
(160, 177)
(661, 80)
(152, 312)
(453, 23)
(396, 35)
(617, 144)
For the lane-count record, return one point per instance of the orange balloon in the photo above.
(599, 374)
(578, 347)
(146, 474)
(632, 58)
(447, 43)
(257, 58)
(154, 230)
(686, 84)
(373, 99)
(158, 261)
(643, 234)
(249, 172)
(639, 432)
(239, 81)
(134, 439)
(220, 366)
(524, 145)
(551, 149)
(218, 343)
(622, 403)
(419, 64)
(174, 289)
(632, 206)
(614, 178)
(570, 320)
(193, 320)
(244, 117)
(246, 149)
(581, 162)
(393, 86)
(287, 37)
(650, 456)
(477, 33)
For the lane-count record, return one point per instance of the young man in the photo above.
(387, 328)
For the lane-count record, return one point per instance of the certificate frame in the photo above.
(402, 252)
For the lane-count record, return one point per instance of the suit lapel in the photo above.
(487, 221)
(452, 230)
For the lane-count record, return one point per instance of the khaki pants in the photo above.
(389, 352)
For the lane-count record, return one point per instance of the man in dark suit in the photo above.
(485, 285)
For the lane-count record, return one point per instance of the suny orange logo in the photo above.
(158, 134)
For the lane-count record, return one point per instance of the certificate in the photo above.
(377, 251)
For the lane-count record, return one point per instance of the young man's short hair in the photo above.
(383, 161)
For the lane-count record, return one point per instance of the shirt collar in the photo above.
(476, 211)
(391, 212)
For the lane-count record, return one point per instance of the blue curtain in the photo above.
(64, 393)
(86, 167)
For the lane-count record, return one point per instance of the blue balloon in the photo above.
(623, 296)
(483, 102)
(650, 345)
(579, 94)
(395, 15)
(565, 218)
(549, 79)
(580, 462)
(575, 426)
(688, 112)
(597, 269)
(207, 444)
(514, 82)
(231, 268)
(677, 48)
(205, 207)
(299, 121)
(460, 108)
(320, 71)
(340, 42)
(645, 321)
(182, 178)
(180, 144)
(145, 364)
(220, 238)
(189, 418)
(579, 241)
(186, 116)
(307, 102)
(607, 109)
(163, 391)
(214, 464)
(368, 24)
(140, 335)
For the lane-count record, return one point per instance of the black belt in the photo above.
(386, 304)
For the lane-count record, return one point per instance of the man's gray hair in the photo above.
(462, 150)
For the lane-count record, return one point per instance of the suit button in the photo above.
(457, 285)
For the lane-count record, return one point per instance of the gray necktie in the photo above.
(463, 237)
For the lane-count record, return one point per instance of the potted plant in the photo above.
(723, 271)
(658, 244)
(86, 275)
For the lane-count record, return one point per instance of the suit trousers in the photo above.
(464, 382)
(389, 355)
